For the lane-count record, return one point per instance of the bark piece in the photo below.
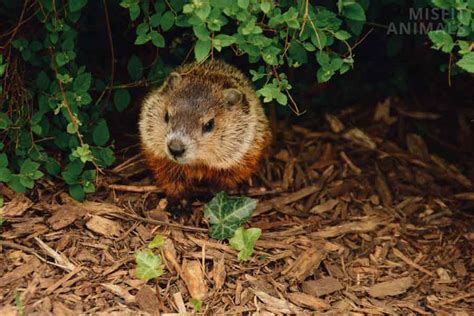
(323, 286)
(193, 276)
(308, 301)
(147, 300)
(104, 226)
(391, 288)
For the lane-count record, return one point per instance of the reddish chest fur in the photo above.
(177, 180)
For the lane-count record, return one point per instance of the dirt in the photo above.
(353, 221)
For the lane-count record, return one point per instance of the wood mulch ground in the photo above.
(352, 222)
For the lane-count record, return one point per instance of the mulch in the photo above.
(352, 222)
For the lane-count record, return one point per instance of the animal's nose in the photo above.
(176, 148)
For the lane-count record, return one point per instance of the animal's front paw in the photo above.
(179, 207)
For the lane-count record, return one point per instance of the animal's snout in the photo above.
(176, 148)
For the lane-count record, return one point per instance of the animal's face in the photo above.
(194, 123)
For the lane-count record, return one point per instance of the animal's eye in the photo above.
(167, 117)
(208, 126)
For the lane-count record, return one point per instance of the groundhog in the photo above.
(203, 128)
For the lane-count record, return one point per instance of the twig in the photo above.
(135, 188)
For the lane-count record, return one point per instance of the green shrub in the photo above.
(56, 97)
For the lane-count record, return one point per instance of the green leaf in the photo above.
(197, 304)
(3, 160)
(135, 68)
(354, 11)
(157, 242)
(467, 62)
(441, 40)
(265, 7)
(202, 49)
(77, 192)
(42, 81)
(28, 166)
(16, 184)
(157, 39)
(5, 174)
(342, 35)
(76, 5)
(5, 121)
(82, 82)
(72, 171)
(226, 214)
(134, 11)
(101, 133)
(167, 21)
(244, 241)
(121, 99)
(243, 4)
(148, 265)
(105, 156)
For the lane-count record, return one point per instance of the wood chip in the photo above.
(321, 287)
(305, 264)
(327, 206)
(218, 273)
(120, 291)
(308, 301)
(64, 216)
(17, 206)
(19, 272)
(277, 305)
(391, 288)
(147, 300)
(334, 123)
(193, 276)
(360, 138)
(104, 226)
(365, 225)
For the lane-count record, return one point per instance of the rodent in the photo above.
(204, 127)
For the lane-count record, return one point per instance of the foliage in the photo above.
(244, 241)
(149, 265)
(458, 32)
(57, 94)
(157, 242)
(197, 304)
(226, 214)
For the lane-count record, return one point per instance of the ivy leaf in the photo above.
(157, 242)
(76, 5)
(244, 241)
(148, 265)
(202, 49)
(121, 99)
(467, 62)
(135, 68)
(226, 214)
(101, 133)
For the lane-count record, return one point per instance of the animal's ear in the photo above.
(232, 96)
(173, 80)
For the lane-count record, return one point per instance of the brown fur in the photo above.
(179, 179)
